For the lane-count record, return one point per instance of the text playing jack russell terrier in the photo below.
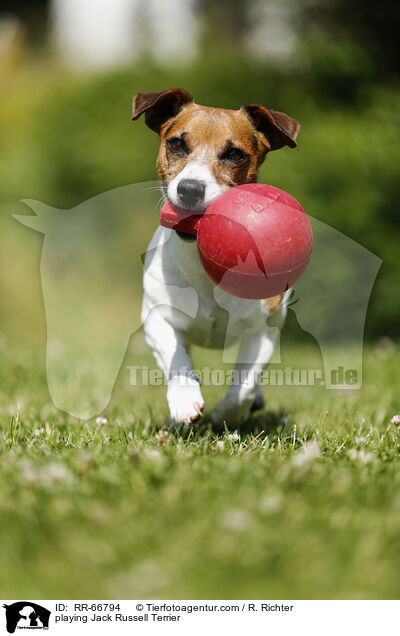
(203, 152)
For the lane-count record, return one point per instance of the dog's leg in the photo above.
(255, 352)
(259, 400)
(184, 396)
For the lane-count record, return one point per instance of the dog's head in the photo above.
(204, 151)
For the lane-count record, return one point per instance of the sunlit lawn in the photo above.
(304, 502)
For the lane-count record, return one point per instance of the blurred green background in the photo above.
(304, 501)
(66, 135)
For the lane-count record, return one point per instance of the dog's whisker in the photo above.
(155, 189)
(162, 199)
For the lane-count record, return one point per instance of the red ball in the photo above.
(254, 241)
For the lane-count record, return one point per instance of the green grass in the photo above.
(304, 502)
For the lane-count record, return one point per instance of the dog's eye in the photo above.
(176, 145)
(234, 154)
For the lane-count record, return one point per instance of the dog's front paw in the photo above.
(231, 412)
(184, 399)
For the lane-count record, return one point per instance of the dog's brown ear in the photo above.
(278, 128)
(159, 107)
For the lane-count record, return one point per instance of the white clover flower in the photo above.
(46, 476)
(152, 454)
(101, 421)
(162, 437)
(218, 446)
(360, 441)
(55, 473)
(307, 454)
(396, 420)
(271, 503)
(237, 520)
(361, 456)
(29, 474)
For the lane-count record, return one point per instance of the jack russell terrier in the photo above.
(203, 152)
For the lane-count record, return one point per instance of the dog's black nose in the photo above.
(191, 192)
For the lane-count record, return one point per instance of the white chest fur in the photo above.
(172, 269)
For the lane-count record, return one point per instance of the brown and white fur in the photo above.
(203, 152)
